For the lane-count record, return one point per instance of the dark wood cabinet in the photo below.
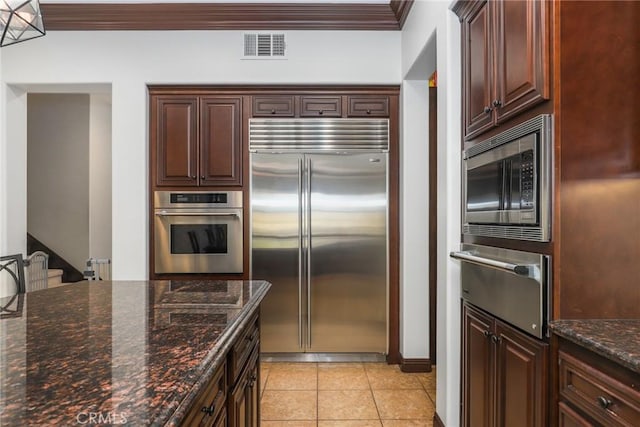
(477, 69)
(368, 106)
(209, 408)
(274, 106)
(505, 60)
(521, 57)
(244, 368)
(232, 397)
(593, 390)
(477, 370)
(504, 374)
(244, 399)
(176, 121)
(220, 141)
(320, 106)
(198, 141)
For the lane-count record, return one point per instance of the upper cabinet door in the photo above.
(522, 56)
(273, 106)
(176, 141)
(477, 51)
(368, 106)
(320, 106)
(220, 141)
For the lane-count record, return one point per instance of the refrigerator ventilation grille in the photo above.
(319, 134)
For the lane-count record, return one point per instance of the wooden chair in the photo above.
(12, 271)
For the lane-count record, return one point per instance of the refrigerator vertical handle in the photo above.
(309, 244)
(300, 251)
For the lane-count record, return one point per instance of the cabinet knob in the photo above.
(487, 110)
(604, 402)
(321, 112)
(486, 334)
(209, 410)
(273, 111)
(496, 339)
(202, 177)
(193, 177)
(368, 111)
(497, 103)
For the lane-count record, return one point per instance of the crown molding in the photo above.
(401, 10)
(224, 16)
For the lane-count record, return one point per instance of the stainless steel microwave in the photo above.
(507, 183)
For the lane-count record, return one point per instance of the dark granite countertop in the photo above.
(615, 339)
(121, 352)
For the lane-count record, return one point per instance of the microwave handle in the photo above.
(526, 270)
(164, 213)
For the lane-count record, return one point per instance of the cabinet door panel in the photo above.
(220, 142)
(522, 57)
(273, 106)
(478, 72)
(567, 417)
(368, 106)
(477, 370)
(177, 141)
(521, 386)
(321, 106)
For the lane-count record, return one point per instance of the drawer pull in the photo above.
(249, 338)
(209, 410)
(604, 402)
(212, 408)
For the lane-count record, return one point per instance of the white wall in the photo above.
(414, 222)
(100, 176)
(58, 173)
(130, 60)
(431, 27)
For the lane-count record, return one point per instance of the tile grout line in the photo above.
(373, 396)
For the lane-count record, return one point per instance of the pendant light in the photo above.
(20, 20)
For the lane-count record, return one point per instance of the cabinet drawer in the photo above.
(210, 403)
(567, 417)
(321, 106)
(273, 106)
(601, 396)
(243, 347)
(368, 106)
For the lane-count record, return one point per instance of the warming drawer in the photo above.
(511, 285)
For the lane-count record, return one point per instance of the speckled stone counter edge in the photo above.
(218, 353)
(578, 332)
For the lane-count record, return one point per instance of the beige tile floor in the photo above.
(345, 395)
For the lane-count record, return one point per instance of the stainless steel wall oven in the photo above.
(198, 232)
(507, 183)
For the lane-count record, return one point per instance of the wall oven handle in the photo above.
(164, 213)
(526, 270)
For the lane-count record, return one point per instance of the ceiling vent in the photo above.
(264, 46)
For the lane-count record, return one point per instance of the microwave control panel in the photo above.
(527, 179)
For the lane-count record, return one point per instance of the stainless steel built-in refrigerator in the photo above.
(319, 233)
